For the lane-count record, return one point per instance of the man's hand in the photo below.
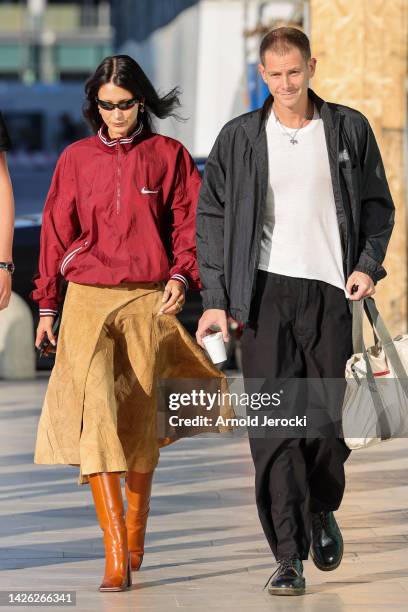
(5, 288)
(363, 282)
(173, 298)
(212, 316)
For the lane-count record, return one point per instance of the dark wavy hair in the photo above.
(125, 72)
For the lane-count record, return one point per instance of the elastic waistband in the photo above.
(294, 280)
(284, 278)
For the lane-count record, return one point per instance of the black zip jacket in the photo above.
(230, 214)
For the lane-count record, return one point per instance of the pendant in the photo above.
(293, 141)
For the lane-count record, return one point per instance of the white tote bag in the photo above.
(375, 406)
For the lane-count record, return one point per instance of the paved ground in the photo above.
(205, 549)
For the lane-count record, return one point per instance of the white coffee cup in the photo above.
(215, 347)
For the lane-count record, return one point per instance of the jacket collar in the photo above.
(126, 142)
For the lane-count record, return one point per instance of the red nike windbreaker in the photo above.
(118, 211)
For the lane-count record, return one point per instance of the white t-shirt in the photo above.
(301, 234)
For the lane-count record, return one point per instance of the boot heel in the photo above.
(137, 561)
(139, 565)
(129, 573)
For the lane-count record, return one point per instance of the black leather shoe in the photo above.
(289, 578)
(327, 542)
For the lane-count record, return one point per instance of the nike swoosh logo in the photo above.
(146, 190)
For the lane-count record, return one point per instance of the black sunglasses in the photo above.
(123, 105)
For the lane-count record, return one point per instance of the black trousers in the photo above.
(298, 328)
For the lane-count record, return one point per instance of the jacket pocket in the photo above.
(70, 256)
(347, 169)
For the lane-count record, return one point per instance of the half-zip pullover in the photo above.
(118, 210)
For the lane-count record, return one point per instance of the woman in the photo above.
(6, 220)
(119, 225)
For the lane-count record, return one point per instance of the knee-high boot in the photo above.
(107, 495)
(138, 490)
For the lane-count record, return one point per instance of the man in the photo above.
(6, 220)
(294, 219)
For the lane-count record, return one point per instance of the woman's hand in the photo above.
(173, 298)
(45, 327)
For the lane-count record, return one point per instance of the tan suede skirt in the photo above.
(100, 410)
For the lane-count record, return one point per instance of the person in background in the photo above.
(6, 219)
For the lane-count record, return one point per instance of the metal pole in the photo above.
(306, 17)
(35, 9)
(246, 53)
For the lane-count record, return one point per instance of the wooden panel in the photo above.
(361, 51)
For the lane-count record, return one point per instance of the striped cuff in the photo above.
(181, 278)
(48, 312)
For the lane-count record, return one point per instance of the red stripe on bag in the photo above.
(381, 373)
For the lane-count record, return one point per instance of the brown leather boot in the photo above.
(107, 495)
(138, 488)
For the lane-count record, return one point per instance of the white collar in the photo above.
(126, 140)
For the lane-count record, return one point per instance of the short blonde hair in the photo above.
(282, 40)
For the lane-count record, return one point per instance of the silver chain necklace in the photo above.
(292, 136)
